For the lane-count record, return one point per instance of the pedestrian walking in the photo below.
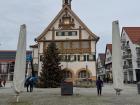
(99, 85)
(29, 84)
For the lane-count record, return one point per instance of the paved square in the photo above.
(82, 96)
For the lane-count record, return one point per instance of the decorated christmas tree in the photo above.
(51, 74)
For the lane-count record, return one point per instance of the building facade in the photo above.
(7, 62)
(108, 63)
(101, 72)
(76, 43)
(130, 38)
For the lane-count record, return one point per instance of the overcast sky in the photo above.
(37, 14)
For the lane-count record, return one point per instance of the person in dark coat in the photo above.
(29, 83)
(99, 84)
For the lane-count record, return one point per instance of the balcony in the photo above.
(125, 47)
(127, 56)
(128, 66)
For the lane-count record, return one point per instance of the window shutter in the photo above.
(94, 57)
(87, 57)
(78, 57)
(74, 57)
(69, 57)
(84, 57)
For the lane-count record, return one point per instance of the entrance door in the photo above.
(138, 74)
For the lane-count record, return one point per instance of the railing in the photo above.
(127, 66)
(127, 56)
(130, 66)
(125, 47)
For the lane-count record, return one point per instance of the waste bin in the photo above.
(66, 88)
(138, 86)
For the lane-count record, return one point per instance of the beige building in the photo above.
(75, 41)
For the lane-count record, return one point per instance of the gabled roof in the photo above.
(109, 46)
(9, 55)
(66, 7)
(133, 33)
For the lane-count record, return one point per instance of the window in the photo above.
(83, 74)
(74, 33)
(66, 45)
(65, 58)
(73, 58)
(67, 74)
(91, 57)
(81, 58)
(62, 57)
(41, 57)
(124, 62)
(138, 52)
(123, 53)
(75, 45)
(85, 44)
(78, 57)
(66, 33)
(127, 43)
(138, 63)
(70, 34)
(58, 44)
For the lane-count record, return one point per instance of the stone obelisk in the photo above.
(20, 62)
(117, 58)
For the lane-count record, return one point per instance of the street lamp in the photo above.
(67, 53)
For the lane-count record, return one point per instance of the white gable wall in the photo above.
(85, 34)
(108, 57)
(133, 52)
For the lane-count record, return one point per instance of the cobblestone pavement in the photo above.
(82, 96)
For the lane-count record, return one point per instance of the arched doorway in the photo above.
(84, 74)
(67, 74)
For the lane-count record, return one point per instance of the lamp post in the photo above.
(67, 60)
